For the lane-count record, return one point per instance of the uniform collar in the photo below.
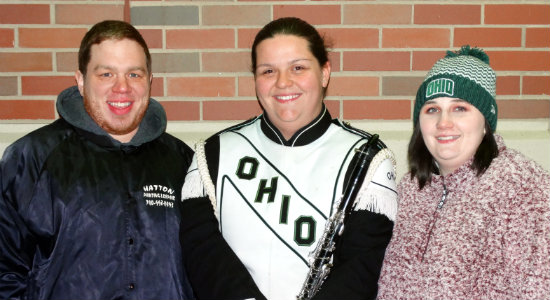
(304, 135)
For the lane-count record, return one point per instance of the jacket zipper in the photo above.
(435, 218)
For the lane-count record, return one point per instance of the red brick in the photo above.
(517, 14)
(45, 85)
(6, 38)
(536, 85)
(226, 61)
(377, 109)
(447, 14)
(153, 37)
(269, 1)
(416, 38)
(507, 85)
(182, 110)
(87, 13)
(50, 37)
(245, 37)
(488, 37)
(230, 110)
(377, 14)
(27, 109)
(24, 14)
(424, 60)
(313, 14)
(523, 109)
(201, 86)
(537, 37)
(351, 37)
(25, 62)
(333, 107)
(246, 87)
(334, 58)
(376, 61)
(157, 87)
(353, 86)
(200, 38)
(236, 15)
(520, 60)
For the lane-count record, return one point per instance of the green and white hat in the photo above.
(464, 74)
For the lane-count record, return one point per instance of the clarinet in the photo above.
(320, 259)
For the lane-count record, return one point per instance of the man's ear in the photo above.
(79, 81)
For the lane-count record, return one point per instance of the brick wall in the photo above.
(380, 52)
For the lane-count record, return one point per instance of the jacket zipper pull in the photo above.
(443, 197)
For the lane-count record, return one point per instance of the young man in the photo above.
(89, 205)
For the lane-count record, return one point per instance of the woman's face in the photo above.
(452, 130)
(289, 82)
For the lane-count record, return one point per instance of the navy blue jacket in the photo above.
(83, 216)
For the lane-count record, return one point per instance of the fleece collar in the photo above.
(70, 106)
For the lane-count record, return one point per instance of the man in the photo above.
(88, 204)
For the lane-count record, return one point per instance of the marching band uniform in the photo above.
(272, 198)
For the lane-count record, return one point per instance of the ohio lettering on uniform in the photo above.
(274, 203)
(282, 195)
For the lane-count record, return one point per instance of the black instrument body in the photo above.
(321, 257)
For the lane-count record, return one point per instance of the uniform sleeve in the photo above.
(214, 270)
(16, 241)
(368, 229)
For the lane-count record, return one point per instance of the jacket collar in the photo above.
(304, 135)
(465, 174)
(70, 106)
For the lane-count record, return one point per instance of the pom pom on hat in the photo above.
(466, 50)
(463, 74)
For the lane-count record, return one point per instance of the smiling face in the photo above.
(289, 82)
(116, 87)
(452, 130)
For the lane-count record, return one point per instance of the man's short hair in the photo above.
(106, 30)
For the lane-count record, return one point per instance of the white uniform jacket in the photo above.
(272, 198)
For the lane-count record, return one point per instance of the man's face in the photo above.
(117, 87)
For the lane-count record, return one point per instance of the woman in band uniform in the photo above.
(258, 194)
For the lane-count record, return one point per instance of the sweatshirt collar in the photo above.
(70, 106)
(465, 173)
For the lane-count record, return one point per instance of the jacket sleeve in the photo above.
(527, 238)
(368, 229)
(17, 244)
(214, 270)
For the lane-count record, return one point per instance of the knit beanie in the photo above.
(463, 74)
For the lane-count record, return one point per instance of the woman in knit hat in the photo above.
(474, 216)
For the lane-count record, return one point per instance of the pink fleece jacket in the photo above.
(489, 240)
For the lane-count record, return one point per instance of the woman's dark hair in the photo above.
(422, 165)
(106, 30)
(296, 27)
